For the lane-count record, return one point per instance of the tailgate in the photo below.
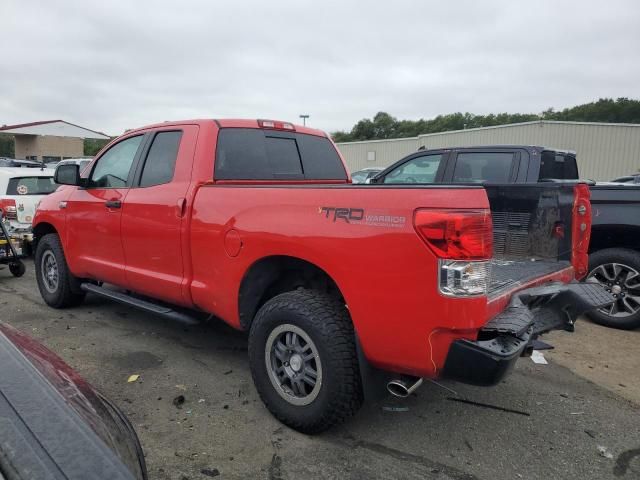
(26, 207)
(539, 232)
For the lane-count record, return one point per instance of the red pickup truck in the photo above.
(340, 286)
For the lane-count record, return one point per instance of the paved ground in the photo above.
(557, 422)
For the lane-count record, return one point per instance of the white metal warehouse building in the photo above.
(604, 150)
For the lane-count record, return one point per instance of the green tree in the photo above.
(7, 146)
(93, 146)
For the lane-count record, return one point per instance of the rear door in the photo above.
(94, 212)
(155, 212)
(495, 166)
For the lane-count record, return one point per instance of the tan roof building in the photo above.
(50, 140)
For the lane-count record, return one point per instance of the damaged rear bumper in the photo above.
(531, 312)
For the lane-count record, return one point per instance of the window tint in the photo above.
(483, 166)
(112, 168)
(283, 157)
(253, 154)
(161, 159)
(558, 166)
(320, 158)
(417, 170)
(31, 186)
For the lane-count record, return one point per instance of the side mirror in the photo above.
(68, 174)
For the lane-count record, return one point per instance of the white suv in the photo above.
(21, 190)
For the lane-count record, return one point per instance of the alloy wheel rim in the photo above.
(623, 282)
(49, 271)
(293, 363)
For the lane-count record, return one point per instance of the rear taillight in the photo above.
(580, 230)
(276, 125)
(456, 234)
(463, 242)
(8, 209)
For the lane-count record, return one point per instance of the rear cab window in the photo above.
(257, 154)
(492, 167)
(31, 186)
(557, 166)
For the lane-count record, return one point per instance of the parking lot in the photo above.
(577, 417)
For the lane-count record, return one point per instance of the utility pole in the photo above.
(304, 119)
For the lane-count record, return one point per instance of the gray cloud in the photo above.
(122, 64)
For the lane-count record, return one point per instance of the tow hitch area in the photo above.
(509, 335)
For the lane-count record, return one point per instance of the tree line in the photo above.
(383, 125)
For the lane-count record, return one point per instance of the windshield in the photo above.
(31, 186)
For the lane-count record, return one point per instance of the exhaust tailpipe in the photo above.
(403, 387)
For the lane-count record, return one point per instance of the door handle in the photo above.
(181, 207)
(113, 204)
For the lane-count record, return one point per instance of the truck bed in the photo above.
(524, 246)
(506, 274)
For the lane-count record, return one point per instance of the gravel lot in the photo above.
(555, 422)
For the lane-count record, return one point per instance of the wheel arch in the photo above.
(276, 274)
(42, 229)
(614, 236)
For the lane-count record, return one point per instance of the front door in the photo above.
(153, 216)
(94, 213)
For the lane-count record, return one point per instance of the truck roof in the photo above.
(536, 148)
(230, 123)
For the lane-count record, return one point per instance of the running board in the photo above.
(140, 304)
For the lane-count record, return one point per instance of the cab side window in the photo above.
(160, 163)
(112, 169)
(493, 167)
(421, 169)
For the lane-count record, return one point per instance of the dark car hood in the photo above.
(57, 389)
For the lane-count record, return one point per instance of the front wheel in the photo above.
(303, 360)
(617, 270)
(57, 285)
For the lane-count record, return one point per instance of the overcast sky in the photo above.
(114, 65)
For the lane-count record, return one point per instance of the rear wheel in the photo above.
(303, 360)
(618, 270)
(58, 287)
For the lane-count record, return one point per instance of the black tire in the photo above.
(66, 291)
(17, 269)
(326, 321)
(625, 257)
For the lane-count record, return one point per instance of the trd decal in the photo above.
(346, 214)
(357, 216)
